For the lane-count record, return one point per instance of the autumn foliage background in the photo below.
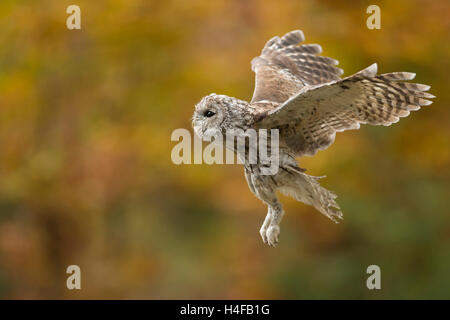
(86, 176)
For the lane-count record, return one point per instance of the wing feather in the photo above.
(284, 68)
(309, 120)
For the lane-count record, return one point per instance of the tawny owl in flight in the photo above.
(303, 96)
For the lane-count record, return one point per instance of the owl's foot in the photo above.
(270, 230)
(272, 235)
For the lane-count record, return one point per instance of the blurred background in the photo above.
(86, 176)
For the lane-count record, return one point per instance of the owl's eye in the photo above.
(208, 113)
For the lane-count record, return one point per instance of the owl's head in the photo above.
(214, 114)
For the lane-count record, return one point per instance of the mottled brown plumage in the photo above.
(302, 95)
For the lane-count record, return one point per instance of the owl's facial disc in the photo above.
(207, 118)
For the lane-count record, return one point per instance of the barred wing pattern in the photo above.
(309, 121)
(283, 68)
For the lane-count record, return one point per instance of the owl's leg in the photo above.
(273, 230)
(270, 230)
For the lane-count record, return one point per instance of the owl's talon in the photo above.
(265, 225)
(262, 232)
(272, 235)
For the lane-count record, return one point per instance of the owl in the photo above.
(302, 95)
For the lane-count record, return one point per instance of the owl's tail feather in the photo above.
(306, 189)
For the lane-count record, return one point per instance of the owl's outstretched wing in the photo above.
(283, 68)
(309, 121)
